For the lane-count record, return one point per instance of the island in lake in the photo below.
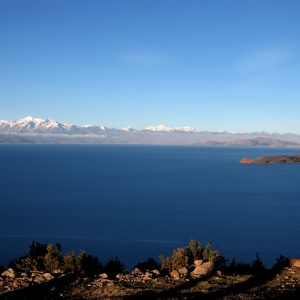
(280, 159)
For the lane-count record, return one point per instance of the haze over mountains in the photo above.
(36, 130)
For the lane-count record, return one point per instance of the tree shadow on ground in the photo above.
(179, 291)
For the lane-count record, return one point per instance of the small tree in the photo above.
(257, 266)
(148, 265)
(165, 262)
(281, 263)
(52, 259)
(185, 257)
(70, 262)
(87, 264)
(179, 258)
(196, 249)
(114, 267)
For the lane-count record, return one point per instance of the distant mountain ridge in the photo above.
(37, 130)
(38, 125)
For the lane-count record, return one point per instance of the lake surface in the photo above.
(143, 201)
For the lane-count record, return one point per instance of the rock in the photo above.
(219, 273)
(148, 276)
(198, 271)
(295, 262)
(155, 272)
(103, 276)
(183, 271)
(39, 279)
(9, 273)
(48, 276)
(136, 271)
(198, 262)
(208, 266)
(203, 270)
(174, 274)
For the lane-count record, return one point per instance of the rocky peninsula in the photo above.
(280, 159)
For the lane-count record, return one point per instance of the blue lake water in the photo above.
(143, 201)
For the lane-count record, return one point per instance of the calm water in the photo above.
(143, 201)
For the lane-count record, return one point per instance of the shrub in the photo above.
(114, 267)
(196, 249)
(238, 268)
(52, 259)
(70, 262)
(87, 264)
(257, 266)
(281, 263)
(148, 265)
(185, 257)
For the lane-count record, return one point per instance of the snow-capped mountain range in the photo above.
(38, 125)
(37, 130)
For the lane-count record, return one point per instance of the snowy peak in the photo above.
(33, 125)
(164, 128)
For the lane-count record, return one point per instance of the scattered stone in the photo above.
(198, 262)
(119, 276)
(148, 276)
(39, 279)
(48, 276)
(183, 271)
(103, 276)
(9, 273)
(174, 274)
(155, 272)
(136, 271)
(219, 273)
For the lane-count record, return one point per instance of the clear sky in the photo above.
(214, 65)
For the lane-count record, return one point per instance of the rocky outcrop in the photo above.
(247, 160)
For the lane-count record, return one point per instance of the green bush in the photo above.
(148, 265)
(52, 259)
(87, 264)
(69, 264)
(281, 263)
(185, 257)
(114, 267)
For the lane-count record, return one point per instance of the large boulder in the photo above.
(203, 270)
(48, 276)
(198, 262)
(9, 273)
(103, 276)
(295, 262)
(174, 274)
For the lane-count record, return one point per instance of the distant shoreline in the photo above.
(279, 159)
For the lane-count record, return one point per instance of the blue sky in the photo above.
(214, 65)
